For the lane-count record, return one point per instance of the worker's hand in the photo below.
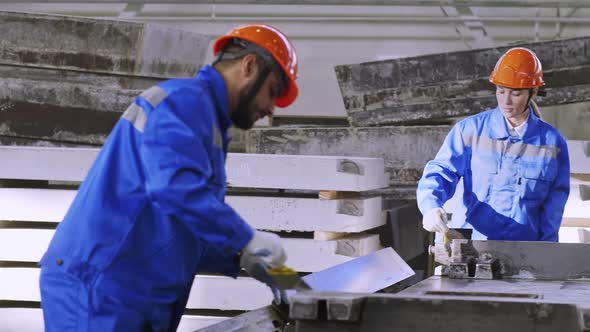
(265, 246)
(262, 253)
(258, 269)
(435, 220)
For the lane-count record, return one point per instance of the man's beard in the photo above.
(244, 115)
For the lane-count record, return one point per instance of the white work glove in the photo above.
(263, 252)
(435, 220)
(264, 246)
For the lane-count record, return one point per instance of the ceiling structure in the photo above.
(480, 23)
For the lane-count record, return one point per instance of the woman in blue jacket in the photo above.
(514, 166)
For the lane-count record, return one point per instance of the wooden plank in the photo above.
(404, 149)
(327, 236)
(575, 222)
(29, 245)
(243, 170)
(31, 320)
(271, 213)
(208, 292)
(579, 152)
(333, 194)
(580, 178)
(98, 45)
(319, 172)
(453, 84)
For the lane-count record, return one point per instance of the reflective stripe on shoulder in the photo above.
(154, 95)
(136, 115)
(518, 149)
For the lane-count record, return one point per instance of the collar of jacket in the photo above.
(499, 129)
(219, 92)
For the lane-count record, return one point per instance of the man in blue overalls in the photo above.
(151, 212)
(514, 166)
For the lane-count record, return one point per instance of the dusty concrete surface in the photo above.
(404, 149)
(60, 105)
(454, 84)
(66, 80)
(98, 45)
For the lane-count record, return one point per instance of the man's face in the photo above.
(261, 105)
(512, 102)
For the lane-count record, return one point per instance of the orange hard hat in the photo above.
(518, 68)
(274, 42)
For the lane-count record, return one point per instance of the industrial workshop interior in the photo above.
(295, 166)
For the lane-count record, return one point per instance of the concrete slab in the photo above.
(579, 152)
(309, 214)
(328, 253)
(208, 292)
(453, 84)
(320, 172)
(404, 149)
(46, 163)
(574, 235)
(270, 213)
(38, 205)
(578, 203)
(70, 106)
(31, 320)
(29, 245)
(243, 170)
(99, 45)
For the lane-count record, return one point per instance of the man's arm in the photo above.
(178, 170)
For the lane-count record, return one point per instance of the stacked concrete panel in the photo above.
(454, 84)
(67, 79)
(392, 105)
(40, 184)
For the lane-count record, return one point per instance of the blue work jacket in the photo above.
(151, 212)
(515, 188)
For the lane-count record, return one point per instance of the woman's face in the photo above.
(512, 102)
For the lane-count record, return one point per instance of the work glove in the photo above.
(435, 220)
(263, 252)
